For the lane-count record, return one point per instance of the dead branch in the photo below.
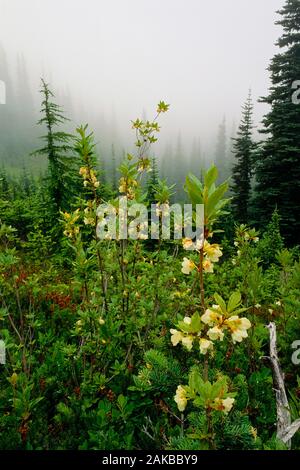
(285, 429)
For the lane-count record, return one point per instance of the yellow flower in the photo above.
(228, 404)
(238, 327)
(187, 320)
(210, 317)
(224, 405)
(67, 216)
(83, 171)
(180, 398)
(212, 251)
(89, 221)
(205, 345)
(176, 337)
(187, 341)
(208, 266)
(101, 321)
(122, 188)
(215, 333)
(130, 193)
(188, 244)
(187, 266)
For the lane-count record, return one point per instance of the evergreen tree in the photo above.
(57, 150)
(230, 148)
(242, 171)
(271, 243)
(113, 168)
(196, 162)
(4, 185)
(152, 182)
(278, 168)
(26, 181)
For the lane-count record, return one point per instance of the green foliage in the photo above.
(242, 171)
(278, 164)
(88, 324)
(57, 149)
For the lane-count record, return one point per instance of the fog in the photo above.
(114, 60)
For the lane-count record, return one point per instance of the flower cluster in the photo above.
(212, 325)
(144, 164)
(212, 253)
(216, 319)
(70, 219)
(89, 213)
(244, 237)
(128, 186)
(89, 177)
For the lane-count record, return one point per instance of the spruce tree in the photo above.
(4, 185)
(57, 149)
(152, 182)
(113, 168)
(243, 148)
(278, 168)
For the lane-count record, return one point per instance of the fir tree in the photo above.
(113, 168)
(278, 168)
(4, 185)
(271, 243)
(242, 171)
(57, 150)
(152, 182)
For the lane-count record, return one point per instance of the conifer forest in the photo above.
(149, 266)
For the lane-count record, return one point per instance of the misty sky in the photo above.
(120, 57)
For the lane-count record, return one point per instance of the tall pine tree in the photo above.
(57, 149)
(278, 168)
(243, 148)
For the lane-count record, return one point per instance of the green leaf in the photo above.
(196, 324)
(194, 189)
(185, 327)
(234, 301)
(211, 176)
(215, 198)
(220, 302)
(219, 388)
(122, 402)
(195, 381)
